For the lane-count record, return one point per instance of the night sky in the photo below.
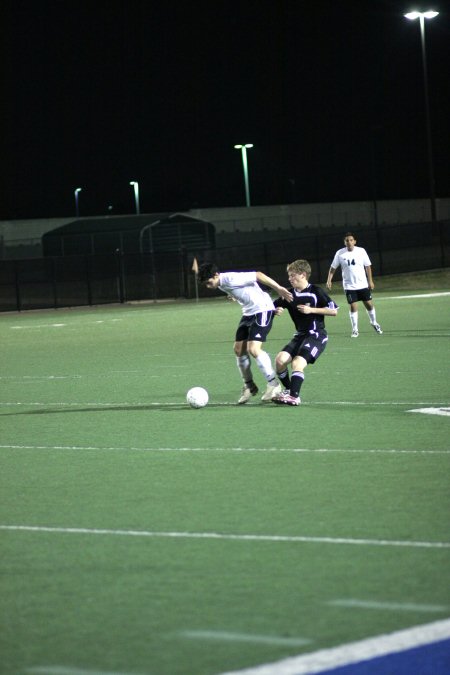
(99, 93)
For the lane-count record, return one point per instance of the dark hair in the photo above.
(349, 234)
(206, 271)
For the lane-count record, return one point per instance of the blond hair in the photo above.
(300, 267)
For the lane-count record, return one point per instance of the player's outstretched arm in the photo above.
(325, 311)
(268, 281)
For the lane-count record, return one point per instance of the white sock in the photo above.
(354, 320)
(243, 363)
(372, 316)
(265, 365)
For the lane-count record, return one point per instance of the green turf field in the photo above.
(140, 536)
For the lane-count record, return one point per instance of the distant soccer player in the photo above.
(308, 310)
(356, 279)
(255, 324)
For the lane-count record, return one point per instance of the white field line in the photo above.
(414, 297)
(231, 537)
(68, 670)
(354, 603)
(71, 324)
(244, 637)
(98, 404)
(167, 404)
(354, 652)
(392, 451)
(19, 378)
(432, 411)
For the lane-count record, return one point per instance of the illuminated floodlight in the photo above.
(135, 184)
(243, 149)
(76, 193)
(430, 14)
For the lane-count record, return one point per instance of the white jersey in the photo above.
(243, 287)
(352, 264)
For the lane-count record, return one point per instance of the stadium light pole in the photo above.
(135, 184)
(422, 16)
(77, 208)
(243, 149)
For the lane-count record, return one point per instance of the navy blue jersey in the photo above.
(314, 296)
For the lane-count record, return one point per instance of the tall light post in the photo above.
(77, 208)
(422, 16)
(243, 149)
(135, 184)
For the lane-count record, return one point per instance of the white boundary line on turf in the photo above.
(182, 403)
(244, 637)
(68, 670)
(232, 537)
(391, 451)
(354, 603)
(444, 411)
(354, 652)
(416, 296)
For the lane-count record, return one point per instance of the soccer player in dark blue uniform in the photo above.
(308, 309)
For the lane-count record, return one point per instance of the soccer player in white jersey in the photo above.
(256, 321)
(357, 280)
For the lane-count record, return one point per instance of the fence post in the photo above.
(183, 272)
(380, 251)
(17, 285)
(266, 258)
(88, 267)
(120, 279)
(54, 284)
(442, 242)
(317, 247)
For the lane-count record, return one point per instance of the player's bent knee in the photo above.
(282, 360)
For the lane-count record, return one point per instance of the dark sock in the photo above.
(285, 379)
(296, 383)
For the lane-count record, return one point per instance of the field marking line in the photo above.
(121, 404)
(353, 652)
(244, 637)
(34, 326)
(212, 404)
(68, 670)
(445, 412)
(354, 603)
(414, 297)
(70, 324)
(229, 536)
(39, 377)
(390, 451)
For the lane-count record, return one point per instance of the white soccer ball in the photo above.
(197, 397)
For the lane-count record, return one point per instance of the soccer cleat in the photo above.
(287, 399)
(248, 390)
(377, 327)
(292, 400)
(354, 333)
(271, 391)
(280, 394)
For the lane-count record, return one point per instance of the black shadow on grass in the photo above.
(143, 407)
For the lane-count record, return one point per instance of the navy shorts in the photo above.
(255, 327)
(360, 294)
(310, 347)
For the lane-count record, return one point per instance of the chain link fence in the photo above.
(77, 280)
